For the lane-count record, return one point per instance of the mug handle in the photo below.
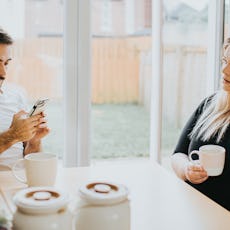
(15, 173)
(194, 152)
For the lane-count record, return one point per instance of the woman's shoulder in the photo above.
(205, 103)
(208, 99)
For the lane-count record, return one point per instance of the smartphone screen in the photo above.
(38, 107)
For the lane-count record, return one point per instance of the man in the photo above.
(19, 134)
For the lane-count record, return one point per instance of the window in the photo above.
(226, 18)
(38, 58)
(121, 63)
(121, 69)
(186, 71)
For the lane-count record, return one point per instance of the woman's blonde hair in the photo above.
(215, 117)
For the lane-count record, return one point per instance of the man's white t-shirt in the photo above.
(12, 100)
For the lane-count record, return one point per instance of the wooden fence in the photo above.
(38, 67)
(121, 72)
(184, 83)
(115, 71)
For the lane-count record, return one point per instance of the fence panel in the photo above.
(121, 72)
(115, 71)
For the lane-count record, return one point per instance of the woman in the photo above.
(209, 124)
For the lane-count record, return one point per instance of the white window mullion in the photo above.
(215, 42)
(227, 9)
(157, 82)
(77, 83)
(84, 80)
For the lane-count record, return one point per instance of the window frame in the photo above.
(77, 83)
(215, 32)
(77, 76)
(157, 81)
(215, 44)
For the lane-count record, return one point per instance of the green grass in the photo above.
(118, 130)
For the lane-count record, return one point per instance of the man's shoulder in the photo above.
(12, 89)
(15, 95)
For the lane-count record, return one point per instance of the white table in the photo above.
(158, 199)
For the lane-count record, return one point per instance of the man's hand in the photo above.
(195, 173)
(41, 131)
(23, 129)
(34, 144)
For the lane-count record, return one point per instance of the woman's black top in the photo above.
(218, 187)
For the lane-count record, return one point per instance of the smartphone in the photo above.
(38, 107)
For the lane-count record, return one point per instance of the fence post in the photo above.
(180, 57)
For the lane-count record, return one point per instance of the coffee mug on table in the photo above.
(40, 169)
(211, 157)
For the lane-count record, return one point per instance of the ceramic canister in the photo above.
(43, 208)
(103, 206)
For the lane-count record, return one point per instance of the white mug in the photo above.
(40, 169)
(211, 157)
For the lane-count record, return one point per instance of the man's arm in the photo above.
(7, 139)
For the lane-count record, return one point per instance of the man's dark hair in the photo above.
(5, 38)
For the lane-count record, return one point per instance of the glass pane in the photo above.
(38, 57)
(185, 56)
(226, 18)
(121, 74)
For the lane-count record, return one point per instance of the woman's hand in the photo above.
(195, 173)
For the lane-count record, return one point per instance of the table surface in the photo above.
(158, 199)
